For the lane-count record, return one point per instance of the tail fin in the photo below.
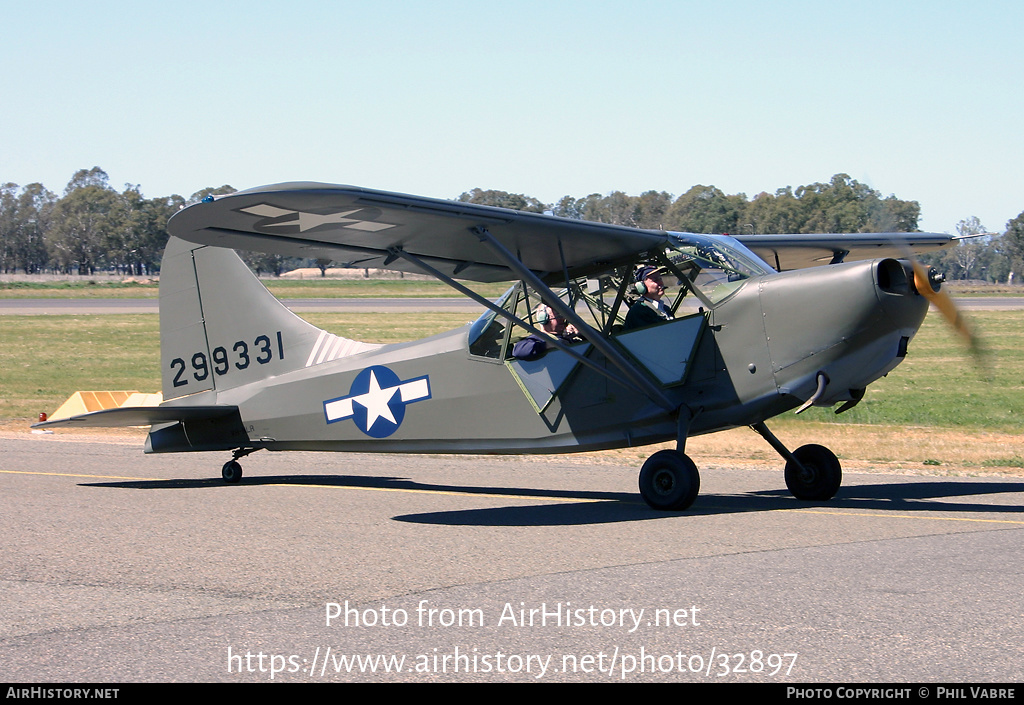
(220, 328)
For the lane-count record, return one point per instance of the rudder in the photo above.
(221, 328)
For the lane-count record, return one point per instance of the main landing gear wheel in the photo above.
(669, 481)
(820, 477)
(232, 471)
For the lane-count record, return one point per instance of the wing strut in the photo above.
(400, 253)
(606, 348)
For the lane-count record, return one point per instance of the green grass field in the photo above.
(44, 359)
(939, 383)
(88, 289)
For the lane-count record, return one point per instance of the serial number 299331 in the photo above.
(239, 356)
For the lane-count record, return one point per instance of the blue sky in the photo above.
(918, 99)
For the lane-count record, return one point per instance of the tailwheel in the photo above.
(819, 478)
(669, 481)
(232, 471)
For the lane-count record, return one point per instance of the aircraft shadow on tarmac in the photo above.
(610, 507)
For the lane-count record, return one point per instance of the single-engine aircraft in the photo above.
(755, 326)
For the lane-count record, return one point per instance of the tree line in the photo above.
(93, 227)
(842, 205)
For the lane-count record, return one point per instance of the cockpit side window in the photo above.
(488, 333)
(596, 300)
(699, 271)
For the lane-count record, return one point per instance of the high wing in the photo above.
(797, 251)
(360, 227)
(363, 228)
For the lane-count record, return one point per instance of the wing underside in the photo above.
(376, 229)
(796, 251)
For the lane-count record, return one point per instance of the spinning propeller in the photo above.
(928, 283)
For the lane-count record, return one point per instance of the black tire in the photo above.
(231, 472)
(669, 481)
(821, 477)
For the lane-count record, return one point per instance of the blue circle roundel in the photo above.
(376, 401)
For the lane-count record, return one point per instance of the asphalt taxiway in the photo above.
(122, 567)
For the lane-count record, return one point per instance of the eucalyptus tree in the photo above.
(706, 209)
(1012, 244)
(618, 208)
(968, 255)
(1015, 236)
(7, 225)
(502, 199)
(24, 218)
(139, 231)
(772, 213)
(84, 222)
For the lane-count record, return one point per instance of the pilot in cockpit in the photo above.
(534, 346)
(649, 308)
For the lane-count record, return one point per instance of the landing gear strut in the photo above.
(813, 472)
(232, 470)
(669, 481)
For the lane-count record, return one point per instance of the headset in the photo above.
(543, 315)
(641, 274)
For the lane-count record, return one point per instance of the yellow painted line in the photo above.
(71, 474)
(907, 516)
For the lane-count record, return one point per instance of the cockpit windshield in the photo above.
(715, 267)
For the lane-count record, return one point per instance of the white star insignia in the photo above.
(308, 221)
(378, 401)
(375, 401)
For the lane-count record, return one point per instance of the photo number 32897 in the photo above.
(222, 360)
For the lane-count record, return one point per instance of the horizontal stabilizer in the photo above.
(142, 416)
(83, 402)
